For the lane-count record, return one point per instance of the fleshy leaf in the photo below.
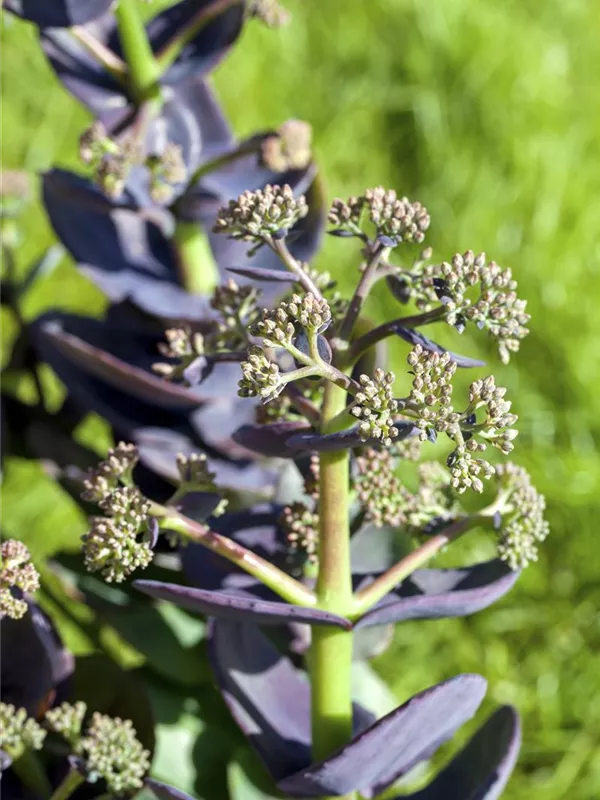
(413, 336)
(394, 744)
(268, 698)
(482, 769)
(434, 593)
(34, 662)
(320, 443)
(237, 606)
(270, 440)
(58, 13)
(124, 253)
(204, 50)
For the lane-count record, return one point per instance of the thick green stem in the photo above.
(70, 782)
(28, 768)
(331, 650)
(198, 271)
(142, 67)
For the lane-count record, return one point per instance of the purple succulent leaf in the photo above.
(165, 792)
(58, 13)
(237, 606)
(328, 442)
(122, 251)
(270, 440)
(394, 744)
(399, 288)
(34, 662)
(207, 48)
(435, 593)
(482, 769)
(268, 698)
(261, 274)
(372, 550)
(81, 340)
(413, 336)
(82, 75)
(253, 528)
(159, 445)
(218, 422)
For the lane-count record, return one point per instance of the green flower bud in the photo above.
(379, 492)
(396, 218)
(115, 548)
(300, 526)
(66, 720)
(289, 149)
(261, 377)
(257, 215)
(269, 12)
(19, 732)
(375, 407)
(16, 572)
(523, 524)
(116, 468)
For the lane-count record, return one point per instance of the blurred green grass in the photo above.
(490, 115)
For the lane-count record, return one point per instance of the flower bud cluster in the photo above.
(346, 214)
(113, 752)
(408, 449)
(466, 471)
(115, 469)
(300, 526)
(270, 12)
(195, 473)
(67, 720)
(289, 149)
(238, 310)
(497, 425)
(312, 477)
(396, 218)
(379, 491)
(278, 327)
(112, 161)
(166, 171)
(16, 572)
(182, 345)
(257, 215)
(260, 377)
(497, 308)
(116, 545)
(278, 409)
(375, 407)
(109, 748)
(18, 731)
(431, 392)
(433, 503)
(523, 524)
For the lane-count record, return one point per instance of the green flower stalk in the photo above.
(16, 573)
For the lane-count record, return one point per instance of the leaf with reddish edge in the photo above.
(482, 769)
(165, 792)
(394, 744)
(58, 13)
(269, 440)
(435, 593)
(76, 338)
(413, 336)
(267, 696)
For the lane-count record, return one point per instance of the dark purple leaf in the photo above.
(270, 440)
(165, 792)
(237, 606)
(267, 696)
(413, 336)
(206, 49)
(128, 256)
(82, 75)
(393, 745)
(218, 422)
(58, 13)
(482, 769)
(74, 338)
(34, 663)
(387, 241)
(341, 233)
(434, 593)
(320, 443)
(261, 274)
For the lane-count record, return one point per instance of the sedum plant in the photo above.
(264, 444)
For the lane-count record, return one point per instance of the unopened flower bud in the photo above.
(17, 574)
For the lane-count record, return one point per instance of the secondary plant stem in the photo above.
(281, 248)
(280, 582)
(103, 54)
(69, 784)
(331, 650)
(143, 69)
(362, 290)
(374, 592)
